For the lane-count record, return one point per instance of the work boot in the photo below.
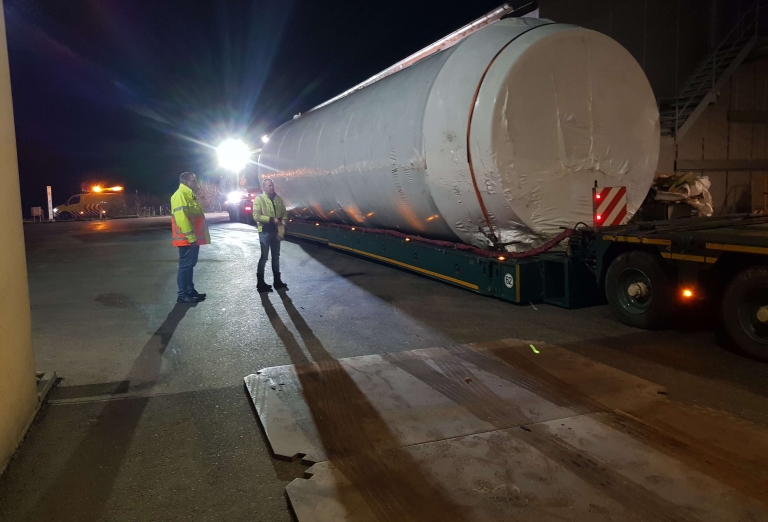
(279, 285)
(261, 286)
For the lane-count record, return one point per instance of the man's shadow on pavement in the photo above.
(356, 439)
(84, 485)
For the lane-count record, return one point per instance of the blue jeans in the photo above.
(269, 241)
(187, 261)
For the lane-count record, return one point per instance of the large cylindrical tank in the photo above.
(503, 134)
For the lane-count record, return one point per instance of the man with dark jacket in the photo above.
(270, 216)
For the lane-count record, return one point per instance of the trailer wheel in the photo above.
(744, 311)
(638, 290)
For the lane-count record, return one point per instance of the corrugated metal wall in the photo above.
(715, 137)
(669, 38)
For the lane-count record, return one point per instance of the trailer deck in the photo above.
(702, 240)
(552, 277)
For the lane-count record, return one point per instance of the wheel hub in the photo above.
(762, 314)
(639, 290)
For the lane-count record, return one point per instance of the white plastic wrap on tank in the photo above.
(501, 136)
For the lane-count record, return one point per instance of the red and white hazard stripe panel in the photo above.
(610, 204)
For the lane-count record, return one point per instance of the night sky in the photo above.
(120, 91)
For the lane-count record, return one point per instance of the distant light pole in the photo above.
(50, 203)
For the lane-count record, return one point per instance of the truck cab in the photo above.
(239, 205)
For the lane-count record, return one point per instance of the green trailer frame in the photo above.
(554, 278)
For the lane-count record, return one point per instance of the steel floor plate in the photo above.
(577, 469)
(497, 431)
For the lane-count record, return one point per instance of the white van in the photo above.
(99, 203)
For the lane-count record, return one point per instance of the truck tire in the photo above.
(232, 216)
(744, 311)
(638, 290)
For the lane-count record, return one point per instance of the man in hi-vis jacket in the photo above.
(270, 216)
(189, 232)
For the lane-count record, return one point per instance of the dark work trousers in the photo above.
(187, 261)
(269, 241)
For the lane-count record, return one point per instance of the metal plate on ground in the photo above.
(577, 469)
(335, 408)
(499, 431)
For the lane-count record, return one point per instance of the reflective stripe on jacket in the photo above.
(188, 219)
(265, 208)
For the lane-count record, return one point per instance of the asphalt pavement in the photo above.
(150, 420)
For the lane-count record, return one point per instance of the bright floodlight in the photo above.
(233, 155)
(265, 138)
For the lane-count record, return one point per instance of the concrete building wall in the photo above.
(18, 390)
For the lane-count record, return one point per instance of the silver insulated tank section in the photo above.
(494, 141)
